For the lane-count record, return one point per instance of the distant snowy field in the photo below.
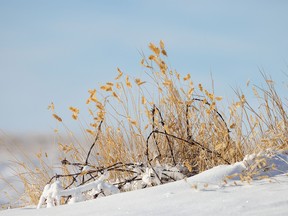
(203, 194)
(20, 148)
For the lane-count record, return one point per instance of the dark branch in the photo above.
(96, 138)
(191, 142)
(167, 138)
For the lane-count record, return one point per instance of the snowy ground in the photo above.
(203, 194)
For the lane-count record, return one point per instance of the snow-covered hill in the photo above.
(203, 194)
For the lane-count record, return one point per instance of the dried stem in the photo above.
(96, 138)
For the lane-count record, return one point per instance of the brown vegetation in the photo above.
(166, 119)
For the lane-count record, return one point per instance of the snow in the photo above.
(52, 193)
(208, 193)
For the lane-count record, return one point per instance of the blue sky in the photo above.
(57, 50)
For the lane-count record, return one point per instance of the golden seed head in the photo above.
(106, 88)
(200, 87)
(92, 96)
(51, 107)
(115, 95)
(190, 92)
(143, 100)
(57, 117)
(75, 112)
(74, 109)
(101, 115)
(154, 49)
(187, 77)
(177, 75)
(164, 52)
(94, 125)
(232, 125)
(243, 99)
(92, 92)
(128, 83)
(133, 122)
(120, 73)
(162, 46)
(100, 106)
(152, 57)
(90, 132)
(167, 83)
(75, 117)
(219, 98)
(139, 82)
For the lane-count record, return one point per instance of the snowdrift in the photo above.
(222, 190)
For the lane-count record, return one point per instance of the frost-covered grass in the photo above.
(155, 131)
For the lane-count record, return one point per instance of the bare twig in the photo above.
(189, 136)
(153, 128)
(191, 142)
(215, 110)
(167, 138)
(96, 138)
(121, 184)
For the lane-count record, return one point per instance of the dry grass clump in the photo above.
(166, 119)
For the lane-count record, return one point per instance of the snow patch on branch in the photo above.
(52, 193)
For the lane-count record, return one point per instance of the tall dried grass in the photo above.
(165, 119)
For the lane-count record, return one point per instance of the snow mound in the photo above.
(181, 198)
(265, 164)
(52, 193)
